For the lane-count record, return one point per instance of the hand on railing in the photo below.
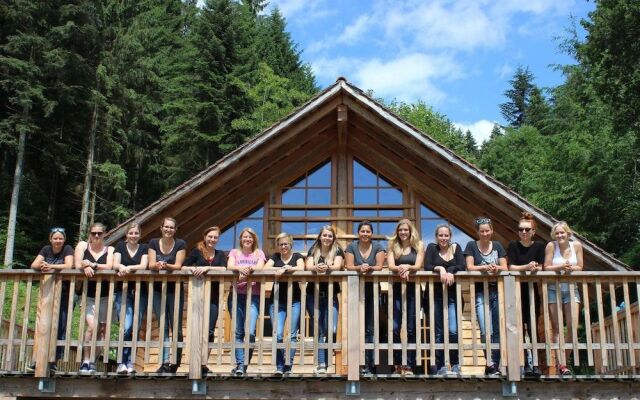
(89, 268)
(447, 278)
(199, 271)
(282, 270)
(365, 268)
(492, 269)
(123, 270)
(404, 270)
(534, 266)
(322, 268)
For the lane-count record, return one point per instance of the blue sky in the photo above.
(456, 56)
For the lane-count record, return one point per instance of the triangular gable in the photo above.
(318, 114)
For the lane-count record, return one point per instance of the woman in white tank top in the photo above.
(563, 255)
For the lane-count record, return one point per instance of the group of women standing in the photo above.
(404, 255)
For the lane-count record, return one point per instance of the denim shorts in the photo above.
(565, 294)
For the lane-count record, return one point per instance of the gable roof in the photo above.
(306, 137)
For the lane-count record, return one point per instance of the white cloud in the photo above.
(505, 71)
(302, 11)
(354, 31)
(481, 130)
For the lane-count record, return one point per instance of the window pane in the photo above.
(427, 212)
(362, 176)
(227, 240)
(429, 228)
(364, 213)
(319, 196)
(258, 213)
(364, 196)
(313, 228)
(391, 213)
(298, 245)
(293, 228)
(293, 213)
(383, 182)
(390, 196)
(320, 177)
(386, 228)
(293, 196)
(319, 213)
(460, 237)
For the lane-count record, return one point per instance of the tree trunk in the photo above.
(88, 176)
(15, 195)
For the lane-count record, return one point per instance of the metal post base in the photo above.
(198, 386)
(352, 388)
(47, 385)
(509, 389)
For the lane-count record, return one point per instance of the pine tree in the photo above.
(514, 110)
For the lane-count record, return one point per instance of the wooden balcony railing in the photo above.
(604, 338)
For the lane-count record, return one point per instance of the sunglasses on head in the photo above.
(56, 229)
(524, 229)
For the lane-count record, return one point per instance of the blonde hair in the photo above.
(283, 235)
(414, 239)
(202, 247)
(253, 234)
(316, 248)
(165, 219)
(133, 225)
(448, 227)
(563, 225)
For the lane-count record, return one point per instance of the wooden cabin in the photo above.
(339, 159)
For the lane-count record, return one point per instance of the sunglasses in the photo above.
(56, 229)
(483, 221)
(524, 229)
(97, 233)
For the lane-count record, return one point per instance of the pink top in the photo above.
(247, 260)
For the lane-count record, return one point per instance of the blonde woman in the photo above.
(167, 253)
(246, 259)
(405, 255)
(323, 257)
(562, 255)
(444, 257)
(283, 261)
(89, 257)
(130, 256)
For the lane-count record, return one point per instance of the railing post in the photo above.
(195, 317)
(353, 338)
(512, 335)
(44, 322)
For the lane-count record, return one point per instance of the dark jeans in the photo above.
(451, 309)
(526, 315)
(411, 322)
(369, 328)
(62, 318)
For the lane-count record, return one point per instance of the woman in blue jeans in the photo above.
(128, 257)
(486, 255)
(405, 256)
(204, 258)
(445, 258)
(323, 257)
(285, 261)
(246, 259)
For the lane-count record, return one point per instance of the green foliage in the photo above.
(438, 127)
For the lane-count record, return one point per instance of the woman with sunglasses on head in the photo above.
(527, 255)
(56, 256)
(445, 258)
(565, 256)
(283, 261)
(486, 255)
(324, 256)
(203, 259)
(90, 257)
(167, 254)
(130, 256)
(246, 259)
(405, 255)
(365, 256)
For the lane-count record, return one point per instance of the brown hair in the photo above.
(526, 216)
(175, 223)
(202, 247)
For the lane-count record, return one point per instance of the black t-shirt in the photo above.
(91, 286)
(405, 259)
(169, 258)
(433, 259)
(521, 255)
(278, 263)
(196, 258)
(324, 286)
(57, 258)
(126, 259)
(497, 252)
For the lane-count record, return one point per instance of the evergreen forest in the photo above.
(106, 105)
